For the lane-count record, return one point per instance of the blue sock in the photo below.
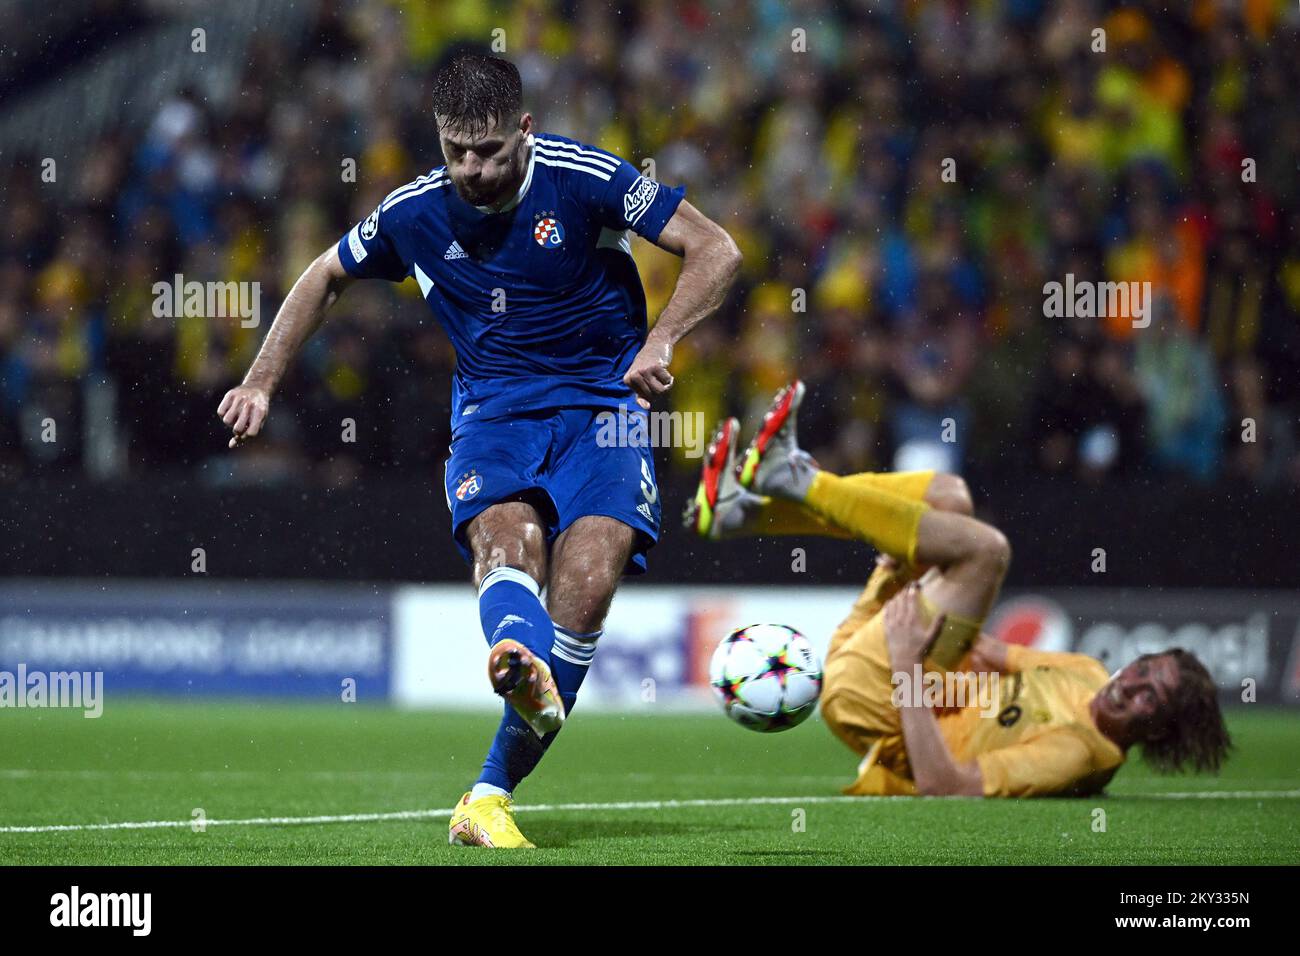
(571, 656)
(508, 606)
(516, 750)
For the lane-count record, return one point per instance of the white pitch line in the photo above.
(552, 807)
(1216, 795)
(248, 822)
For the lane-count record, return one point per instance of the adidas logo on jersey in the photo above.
(454, 251)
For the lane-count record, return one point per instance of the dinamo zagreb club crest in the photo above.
(549, 233)
(468, 485)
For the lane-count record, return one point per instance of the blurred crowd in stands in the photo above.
(903, 177)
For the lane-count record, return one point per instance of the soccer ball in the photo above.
(766, 676)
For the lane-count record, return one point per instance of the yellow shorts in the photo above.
(857, 692)
(857, 705)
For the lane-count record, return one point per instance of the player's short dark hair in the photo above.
(474, 90)
(1193, 735)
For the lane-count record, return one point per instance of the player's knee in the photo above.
(593, 584)
(581, 595)
(534, 569)
(993, 550)
(522, 547)
(950, 493)
(513, 554)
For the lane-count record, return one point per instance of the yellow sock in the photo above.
(781, 517)
(887, 521)
(778, 516)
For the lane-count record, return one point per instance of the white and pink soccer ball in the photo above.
(766, 676)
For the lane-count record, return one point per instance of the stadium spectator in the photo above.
(903, 180)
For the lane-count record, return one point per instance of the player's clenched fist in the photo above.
(244, 409)
(649, 375)
(907, 633)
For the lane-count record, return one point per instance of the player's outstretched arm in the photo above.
(934, 770)
(245, 408)
(710, 261)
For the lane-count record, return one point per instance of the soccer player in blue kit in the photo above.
(520, 247)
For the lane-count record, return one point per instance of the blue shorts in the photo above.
(568, 462)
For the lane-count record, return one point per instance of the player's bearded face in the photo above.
(487, 168)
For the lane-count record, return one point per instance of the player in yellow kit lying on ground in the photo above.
(1057, 724)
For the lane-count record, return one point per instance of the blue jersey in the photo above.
(541, 300)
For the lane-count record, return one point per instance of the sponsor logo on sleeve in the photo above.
(637, 199)
(354, 244)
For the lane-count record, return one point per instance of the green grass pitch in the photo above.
(702, 791)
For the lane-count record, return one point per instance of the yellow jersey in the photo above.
(1042, 740)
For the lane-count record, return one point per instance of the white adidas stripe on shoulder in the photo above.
(553, 147)
(418, 181)
(434, 179)
(437, 177)
(436, 184)
(548, 161)
(576, 147)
